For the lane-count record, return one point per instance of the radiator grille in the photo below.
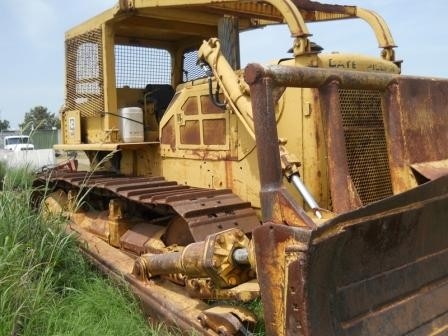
(366, 147)
(84, 77)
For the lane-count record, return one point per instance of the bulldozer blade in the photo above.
(379, 270)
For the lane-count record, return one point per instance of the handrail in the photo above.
(381, 30)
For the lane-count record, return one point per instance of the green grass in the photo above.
(46, 287)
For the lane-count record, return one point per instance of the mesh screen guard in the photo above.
(137, 66)
(191, 70)
(366, 147)
(84, 76)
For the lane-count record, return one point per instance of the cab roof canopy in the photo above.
(174, 20)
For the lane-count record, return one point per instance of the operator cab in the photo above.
(133, 79)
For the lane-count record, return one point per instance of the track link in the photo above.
(204, 210)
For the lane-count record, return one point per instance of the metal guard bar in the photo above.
(276, 203)
(293, 76)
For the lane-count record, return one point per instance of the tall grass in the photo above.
(46, 287)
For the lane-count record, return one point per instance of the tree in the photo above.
(4, 125)
(39, 118)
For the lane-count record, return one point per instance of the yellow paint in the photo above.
(231, 162)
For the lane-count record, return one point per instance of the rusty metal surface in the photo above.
(343, 193)
(396, 249)
(135, 240)
(165, 301)
(271, 241)
(214, 131)
(190, 107)
(379, 270)
(204, 211)
(432, 170)
(372, 142)
(190, 133)
(204, 289)
(228, 320)
(160, 299)
(263, 81)
(308, 5)
(283, 75)
(365, 143)
(424, 119)
(212, 258)
(276, 204)
(168, 135)
(416, 124)
(207, 106)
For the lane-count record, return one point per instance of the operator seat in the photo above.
(160, 95)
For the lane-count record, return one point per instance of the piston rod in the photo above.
(309, 199)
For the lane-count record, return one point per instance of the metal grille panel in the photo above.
(366, 147)
(137, 66)
(84, 75)
(191, 70)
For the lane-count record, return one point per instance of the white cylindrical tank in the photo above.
(132, 129)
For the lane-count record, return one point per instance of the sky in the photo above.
(32, 44)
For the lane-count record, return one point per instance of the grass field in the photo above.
(46, 287)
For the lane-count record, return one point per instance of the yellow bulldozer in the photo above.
(315, 185)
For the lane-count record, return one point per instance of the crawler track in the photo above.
(183, 213)
(204, 211)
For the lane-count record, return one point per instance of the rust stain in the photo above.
(190, 107)
(204, 211)
(432, 170)
(340, 183)
(189, 133)
(207, 106)
(214, 131)
(168, 134)
(308, 5)
(229, 174)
